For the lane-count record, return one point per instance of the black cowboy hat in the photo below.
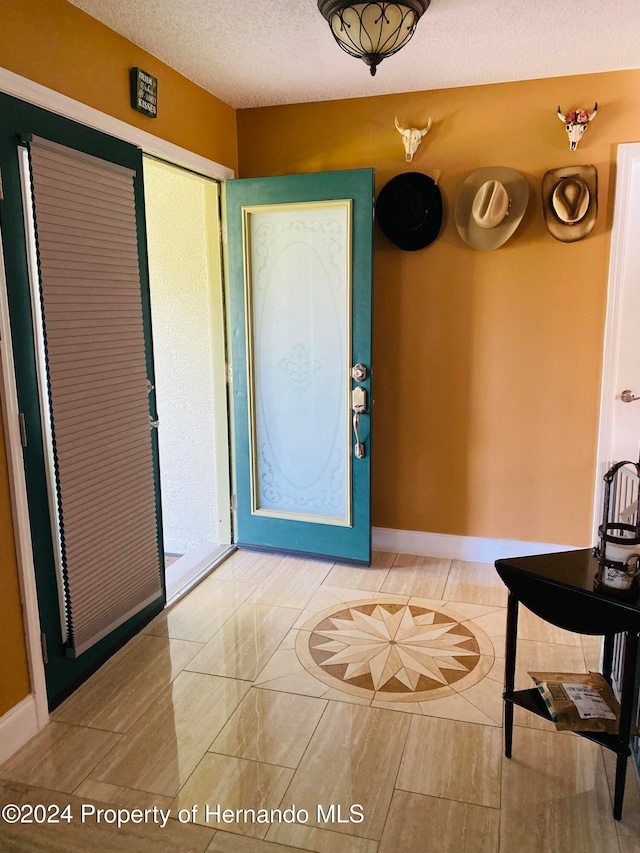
(409, 210)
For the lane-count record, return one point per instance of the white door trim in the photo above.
(628, 159)
(20, 508)
(41, 96)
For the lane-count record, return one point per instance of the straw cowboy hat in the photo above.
(409, 210)
(490, 206)
(570, 202)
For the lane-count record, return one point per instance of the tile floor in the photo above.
(284, 683)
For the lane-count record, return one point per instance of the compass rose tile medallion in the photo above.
(394, 651)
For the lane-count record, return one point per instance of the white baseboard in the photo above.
(474, 549)
(17, 726)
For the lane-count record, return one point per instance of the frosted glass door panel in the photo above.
(298, 297)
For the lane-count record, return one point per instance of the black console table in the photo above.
(559, 589)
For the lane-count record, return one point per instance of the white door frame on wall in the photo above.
(20, 723)
(628, 166)
(40, 96)
(34, 712)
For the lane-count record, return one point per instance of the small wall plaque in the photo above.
(144, 92)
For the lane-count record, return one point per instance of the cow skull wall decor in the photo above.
(576, 123)
(412, 137)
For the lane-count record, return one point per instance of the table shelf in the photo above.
(559, 589)
(532, 701)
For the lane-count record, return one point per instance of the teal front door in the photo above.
(300, 284)
(86, 572)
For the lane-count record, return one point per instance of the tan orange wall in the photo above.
(59, 46)
(487, 364)
(14, 678)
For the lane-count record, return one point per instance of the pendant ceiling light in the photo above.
(372, 31)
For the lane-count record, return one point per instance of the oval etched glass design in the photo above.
(299, 295)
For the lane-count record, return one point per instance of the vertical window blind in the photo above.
(90, 293)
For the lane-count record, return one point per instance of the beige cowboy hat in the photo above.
(490, 206)
(570, 202)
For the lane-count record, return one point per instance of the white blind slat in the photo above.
(104, 428)
(119, 512)
(100, 413)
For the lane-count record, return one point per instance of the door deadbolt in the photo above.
(359, 372)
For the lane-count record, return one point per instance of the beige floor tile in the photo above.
(252, 567)
(525, 719)
(452, 827)
(125, 798)
(592, 649)
(474, 611)
(155, 718)
(59, 757)
(533, 656)
(305, 837)
(328, 597)
(477, 583)
(159, 753)
(271, 727)
(422, 576)
(555, 796)
(284, 672)
(289, 641)
(457, 707)
(356, 577)
(127, 684)
(496, 673)
(202, 612)
(245, 643)
(234, 783)
(629, 826)
(352, 758)
(468, 764)
(532, 627)
(486, 696)
(81, 837)
(293, 582)
(494, 625)
(350, 698)
(382, 559)
(453, 607)
(226, 842)
(403, 707)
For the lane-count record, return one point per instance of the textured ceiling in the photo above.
(254, 53)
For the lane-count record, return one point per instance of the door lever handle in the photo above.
(359, 449)
(359, 405)
(628, 396)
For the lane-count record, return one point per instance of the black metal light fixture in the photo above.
(372, 31)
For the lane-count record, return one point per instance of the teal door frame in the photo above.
(353, 543)
(18, 119)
